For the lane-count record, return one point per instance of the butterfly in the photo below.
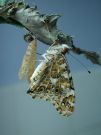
(52, 80)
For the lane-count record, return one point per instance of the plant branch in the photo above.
(41, 26)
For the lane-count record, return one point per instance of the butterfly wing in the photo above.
(53, 82)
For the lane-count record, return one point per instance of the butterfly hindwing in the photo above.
(55, 85)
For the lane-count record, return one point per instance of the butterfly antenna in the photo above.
(81, 63)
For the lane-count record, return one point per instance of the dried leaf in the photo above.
(29, 61)
(93, 57)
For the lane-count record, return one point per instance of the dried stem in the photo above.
(41, 26)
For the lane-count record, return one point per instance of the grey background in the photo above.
(19, 114)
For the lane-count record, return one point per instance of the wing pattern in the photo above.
(52, 82)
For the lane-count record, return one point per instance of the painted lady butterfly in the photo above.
(52, 80)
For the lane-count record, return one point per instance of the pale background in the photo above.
(19, 114)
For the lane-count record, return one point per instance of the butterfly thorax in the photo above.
(55, 50)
